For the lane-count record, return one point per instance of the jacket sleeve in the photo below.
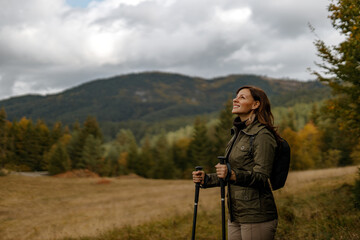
(211, 180)
(264, 153)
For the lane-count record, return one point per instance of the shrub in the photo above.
(2, 173)
(357, 191)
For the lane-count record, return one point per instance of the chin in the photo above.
(235, 111)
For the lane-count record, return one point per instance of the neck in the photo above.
(248, 118)
(244, 118)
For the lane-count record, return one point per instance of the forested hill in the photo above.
(153, 96)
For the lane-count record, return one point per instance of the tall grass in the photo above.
(313, 205)
(323, 209)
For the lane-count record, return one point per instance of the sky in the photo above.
(49, 46)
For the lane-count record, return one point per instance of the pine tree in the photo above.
(146, 159)
(91, 157)
(200, 149)
(91, 127)
(77, 143)
(58, 159)
(222, 129)
(164, 167)
(40, 143)
(3, 137)
(56, 132)
(127, 143)
(111, 166)
(75, 148)
(180, 156)
(341, 67)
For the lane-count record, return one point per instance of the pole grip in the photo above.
(222, 159)
(198, 168)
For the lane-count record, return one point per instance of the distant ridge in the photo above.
(153, 96)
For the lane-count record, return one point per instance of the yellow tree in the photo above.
(310, 139)
(294, 142)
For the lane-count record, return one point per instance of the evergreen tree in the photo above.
(111, 166)
(222, 129)
(314, 114)
(164, 167)
(334, 138)
(91, 157)
(127, 143)
(146, 159)
(341, 66)
(91, 127)
(58, 159)
(56, 132)
(3, 137)
(77, 143)
(355, 154)
(75, 148)
(23, 144)
(40, 143)
(180, 156)
(200, 148)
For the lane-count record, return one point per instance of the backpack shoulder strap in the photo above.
(251, 149)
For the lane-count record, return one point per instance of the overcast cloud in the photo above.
(48, 46)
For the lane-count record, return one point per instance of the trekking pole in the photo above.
(222, 191)
(197, 188)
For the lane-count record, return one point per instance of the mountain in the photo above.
(153, 97)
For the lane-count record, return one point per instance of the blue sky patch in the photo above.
(80, 3)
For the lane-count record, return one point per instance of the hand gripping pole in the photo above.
(197, 189)
(222, 192)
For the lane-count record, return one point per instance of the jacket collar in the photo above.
(252, 129)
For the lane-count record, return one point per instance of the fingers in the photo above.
(198, 176)
(221, 170)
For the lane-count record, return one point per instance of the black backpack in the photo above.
(281, 163)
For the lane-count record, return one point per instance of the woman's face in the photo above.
(244, 104)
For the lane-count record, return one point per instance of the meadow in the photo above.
(314, 204)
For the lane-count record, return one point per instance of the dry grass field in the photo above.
(55, 208)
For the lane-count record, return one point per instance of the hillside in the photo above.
(140, 100)
(151, 96)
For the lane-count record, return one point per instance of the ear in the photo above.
(256, 105)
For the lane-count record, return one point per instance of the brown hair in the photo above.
(263, 112)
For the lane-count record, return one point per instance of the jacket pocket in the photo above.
(242, 147)
(247, 200)
(240, 157)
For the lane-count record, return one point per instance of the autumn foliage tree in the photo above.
(341, 71)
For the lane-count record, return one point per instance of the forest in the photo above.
(311, 131)
(322, 133)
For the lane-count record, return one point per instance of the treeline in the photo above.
(29, 146)
(321, 142)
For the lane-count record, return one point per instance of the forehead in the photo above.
(245, 92)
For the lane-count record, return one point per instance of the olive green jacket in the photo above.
(251, 199)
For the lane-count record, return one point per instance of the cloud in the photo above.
(47, 46)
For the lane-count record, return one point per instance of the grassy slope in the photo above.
(314, 205)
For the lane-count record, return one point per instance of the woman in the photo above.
(251, 151)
